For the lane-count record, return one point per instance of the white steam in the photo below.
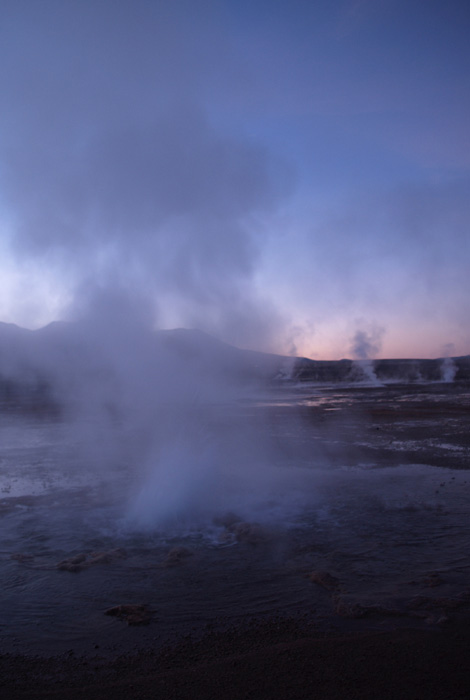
(448, 370)
(162, 408)
(365, 345)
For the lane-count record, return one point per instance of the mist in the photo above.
(195, 198)
(128, 177)
(448, 370)
(159, 419)
(117, 176)
(149, 214)
(365, 347)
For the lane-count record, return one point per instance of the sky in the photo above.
(288, 175)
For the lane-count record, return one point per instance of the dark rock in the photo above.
(354, 610)
(83, 561)
(176, 556)
(133, 614)
(21, 557)
(227, 520)
(423, 602)
(74, 564)
(431, 581)
(254, 533)
(325, 580)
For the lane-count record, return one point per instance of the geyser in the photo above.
(169, 411)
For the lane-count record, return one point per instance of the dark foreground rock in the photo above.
(176, 556)
(279, 659)
(132, 613)
(325, 580)
(82, 561)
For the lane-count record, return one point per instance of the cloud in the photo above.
(140, 151)
(113, 171)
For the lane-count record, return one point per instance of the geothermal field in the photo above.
(169, 488)
(187, 189)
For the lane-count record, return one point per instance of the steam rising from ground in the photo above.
(120, 178)
(448, 369)
(150, 214)
(165, 410)
(365, 345)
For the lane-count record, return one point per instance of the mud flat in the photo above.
(353, 584)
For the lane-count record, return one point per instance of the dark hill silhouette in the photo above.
(31, 361)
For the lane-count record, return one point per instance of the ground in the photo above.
(278, 659)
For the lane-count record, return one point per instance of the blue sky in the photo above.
(284, 175)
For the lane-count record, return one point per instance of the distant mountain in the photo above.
(249, 364)
(34, 363)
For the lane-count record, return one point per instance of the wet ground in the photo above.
(346, 506)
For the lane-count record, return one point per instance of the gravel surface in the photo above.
(276, 659)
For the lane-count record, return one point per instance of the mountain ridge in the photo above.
(27, 353)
